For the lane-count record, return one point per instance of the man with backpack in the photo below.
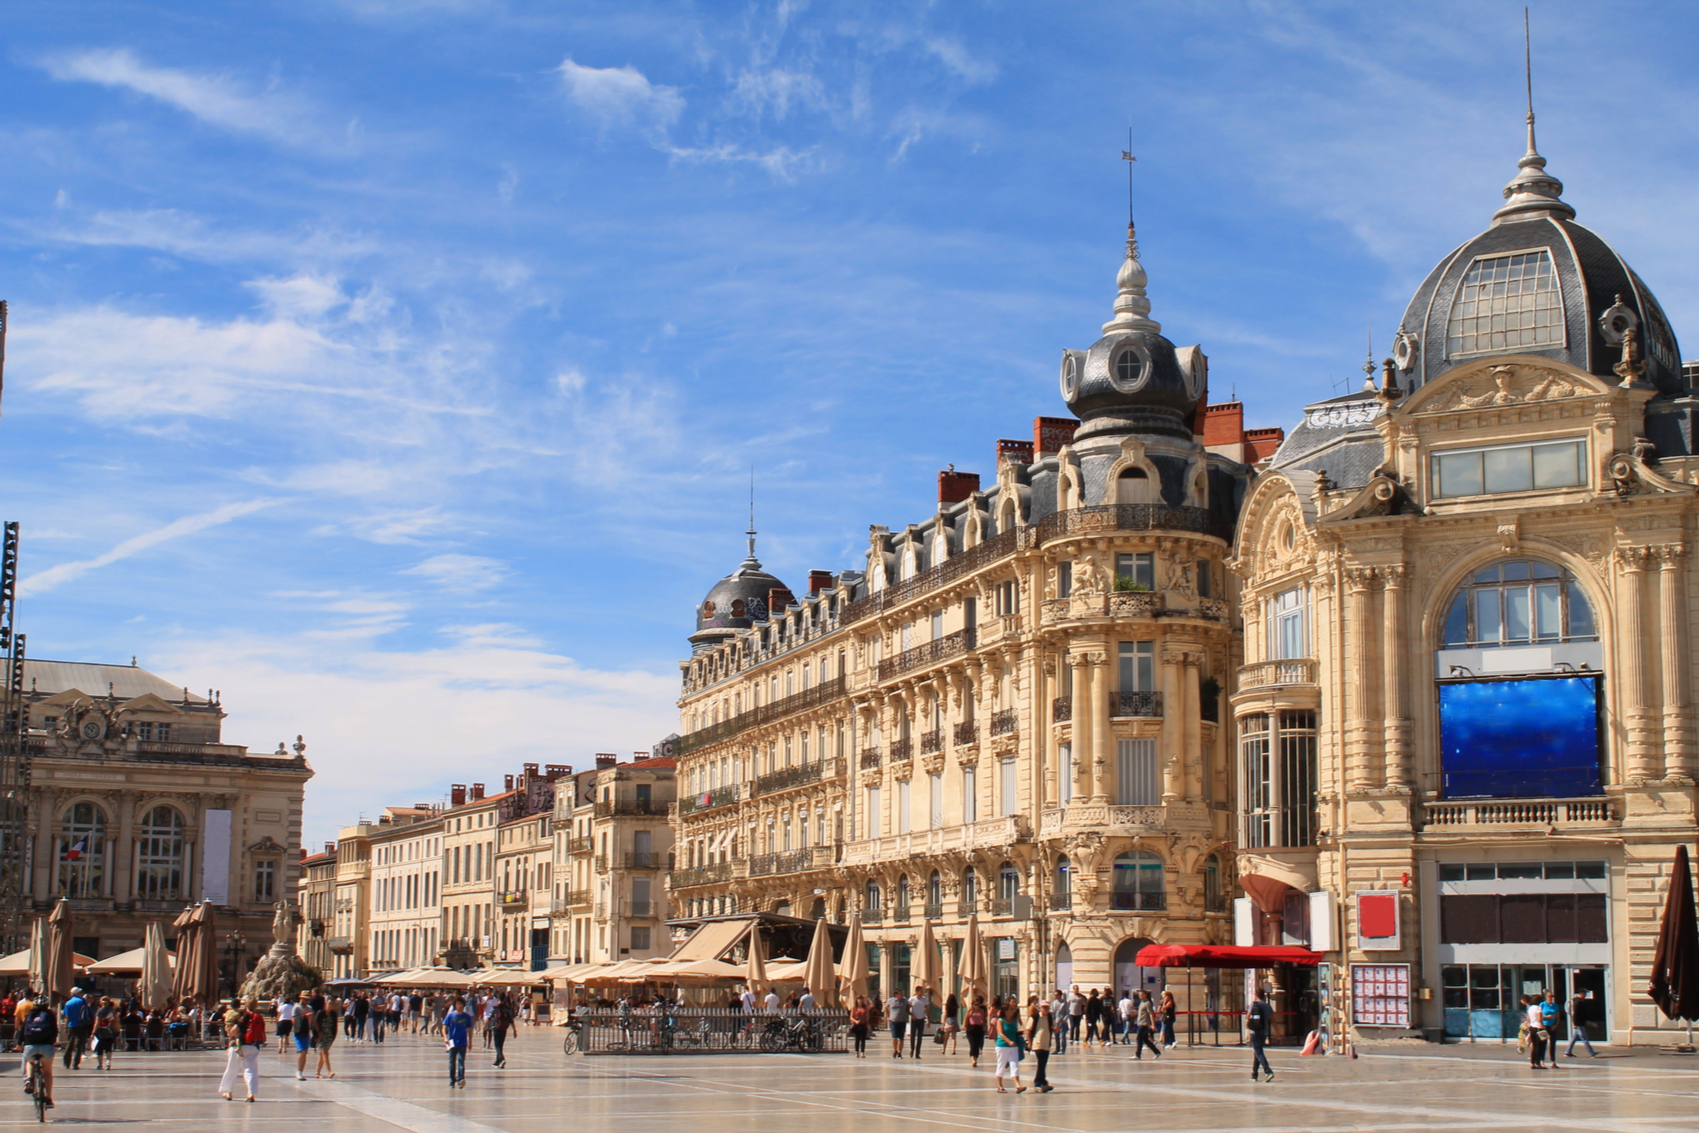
(1258, 1020)
(79, 1024)
(245, 1028)
(37, 1035)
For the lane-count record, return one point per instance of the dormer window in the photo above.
(1504, 303)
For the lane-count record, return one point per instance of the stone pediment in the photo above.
(1501, 383)
(59, 699)
(148, 702)
(267, 845)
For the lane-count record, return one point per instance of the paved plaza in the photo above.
(402, 1085)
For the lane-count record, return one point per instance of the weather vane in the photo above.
(1127, 156)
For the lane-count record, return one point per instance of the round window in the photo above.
(708, 609)
(1131, 367)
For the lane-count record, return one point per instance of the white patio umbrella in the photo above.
(154, 987)
(853, 964)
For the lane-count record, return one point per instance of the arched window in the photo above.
(903, 895)
(1062, 892)
(1506, 302)
(1138, 881)
(1133, 486)
(970, 889)
(82, 851)
(935, 890)
(1213, 898)
(1521, 602)
(871, 898)
(1009, 881)
(159, 856)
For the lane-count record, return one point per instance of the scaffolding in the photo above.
(14, 757)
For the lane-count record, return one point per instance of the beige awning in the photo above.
(18, 963)
(713, 940)
(698, 970)
(125, 963)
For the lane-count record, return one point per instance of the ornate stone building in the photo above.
(1465, 726)
(137, 808)
(404, 923)
(1012, 709)
(316, 901)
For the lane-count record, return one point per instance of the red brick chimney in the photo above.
(1261, 443)
(1015, 450)
(303, 853)
(531, 771)
(477, 792)
(457, 794)
(1050, 434)
(507, 782)
(604, 760)
(819, 580)
(777, 600)
(954, 486)
(554, 771)
(1224, 424)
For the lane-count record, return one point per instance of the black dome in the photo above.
(736, 602)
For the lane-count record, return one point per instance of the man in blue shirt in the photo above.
(79, 1024)
(457, 1030)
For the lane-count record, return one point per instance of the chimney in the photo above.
(477, 791)
(556, 771)
(820, 580)
(457, 794)
(330, 847)
(1224, 424)
(531, 771)
(954, 486)
(778, 599)
(507, 782)
(1262, 443)
(303, 853)
(605, 760)
(1050, 434)
(1021, 451)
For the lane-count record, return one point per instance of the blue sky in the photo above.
(397, 368)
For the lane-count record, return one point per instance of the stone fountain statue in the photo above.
(280, 971)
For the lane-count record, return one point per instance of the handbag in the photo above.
(938, 1037)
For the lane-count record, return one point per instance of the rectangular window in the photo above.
(873, 812)
(1065, 579)
(1137, 780)
(1255, 784)
(1138, 666)
(1298, 778)
(1289, 624)
(1008, 599)
(1202, 567)
(1006, 773)
(265, 882)
(640, 938)
(938, 624)
(903, 806)
(935, 799)
(1065, 772)
(1508, 468)
(970, 795)
(1139, 568)
(163, 731)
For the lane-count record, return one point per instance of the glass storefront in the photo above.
(1480, 1001)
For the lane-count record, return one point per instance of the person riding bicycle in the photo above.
(40, 1031)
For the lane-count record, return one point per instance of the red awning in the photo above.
(1222, 956)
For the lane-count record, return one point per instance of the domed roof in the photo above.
(1131, 380)
(1535, 282)
(736, 602)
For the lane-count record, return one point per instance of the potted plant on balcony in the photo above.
(1209, 693)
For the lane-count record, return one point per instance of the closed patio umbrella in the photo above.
(755, 969)
(818, 975)
(1673, 985)
(38, 956)
(928, 968)
(154, 988)
(60, 965)
(197, 956)
(973, 960)
(853, 964)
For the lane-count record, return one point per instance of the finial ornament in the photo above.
(1533, 192)
(1132, 309)
(1369, 357)
(750, 533)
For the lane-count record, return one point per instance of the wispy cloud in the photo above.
(460, 573)
(46, 580)
(216, 99)
(621, 97)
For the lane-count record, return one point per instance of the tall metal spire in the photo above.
(1132, 309)
(750, 533)
(1369, 356)
(1533, 192)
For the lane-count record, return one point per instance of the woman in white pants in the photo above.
(247, 1031)
(1009, 1049)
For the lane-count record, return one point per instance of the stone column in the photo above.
(1081, 730)
(1680, 760)
(1102, 737)
(1359, 716)
(1642, 762)
(1172, 745)
(1192, 726)
(1396, 723)
(125, 868)
(1045, 743)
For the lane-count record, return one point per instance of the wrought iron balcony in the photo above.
(1136, 704)
(933, 911)
(578, 846)
(967, 732)
(1003, 906)
(1061, 899)
(932, 741)
(1216, 903)
(824, 693)
(946, 647)
(1003, 723)
(902, 750)
(514, 899)
(871, 757)
(988, 551)
(1140, 902)
(601, 863)
(873, 916)
(648, 860)
(788, 777)
(702, 875)
(708, 800)
(1062, 708)
(625, 808)
(791, 861)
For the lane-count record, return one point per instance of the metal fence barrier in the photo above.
(692, 1030)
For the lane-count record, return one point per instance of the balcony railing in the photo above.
(932, 741)
(950, 645)
(708, 800)
(1003, 906)
(1291, 671)
(1003, 723)
(570, 900)
(648, 860)
(636, 908)
(871, 757)
(788, 777)
(1136, 704)
(902, 750)
(900, 914)
(579, 845)
(873, 916)
(1062, 708)
(1131, 517)
(513, 899)
(933, 911)
(824, 693)
(791, 861)
(341, 945)
(1542, 813)
(1216, 903)
(702, 875)
(632, 807)
(601, 863)
(1061, 899)
(967, 732)
(989, 551)
(1139, 902)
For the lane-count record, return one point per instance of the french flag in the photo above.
(75, 852)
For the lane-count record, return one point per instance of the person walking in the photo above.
(1127, 1008)
(360, 1010)
(918, 1005)
(1142, 1025)
(1549, 1027)
(1009, 1049)
(457, 1032)
(500, 1023)
(305, 1021)
(1094, 1017)
(859, 1026)
(951, 1022)
(1059, 1021)
(1076, 1012)
(1166, 1016)
(105, 1033)
(897, 1018)
(974, 1026)
(1258, 1019)
(79, 1022)
(1577, 1034)
(285, 1010)
(245, 1027)
(1039, 1032)
(1537, 1035)
(332, 1015)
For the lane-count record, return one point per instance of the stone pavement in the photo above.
(403, 1085)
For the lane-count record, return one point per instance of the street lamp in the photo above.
(234, 943)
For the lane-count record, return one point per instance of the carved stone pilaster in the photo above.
(1679, 738)
(1642, 761)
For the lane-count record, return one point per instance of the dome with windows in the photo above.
(736, 602)
(1537, 283)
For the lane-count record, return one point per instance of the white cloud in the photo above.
(621, 97)
(954, 55)
(46, 580)
(775, 91)
(183, 234)
(217, 100)
(782, 161)
(460, 573)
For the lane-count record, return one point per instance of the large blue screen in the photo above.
(1520, 738)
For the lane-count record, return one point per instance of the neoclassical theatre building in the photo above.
(1015, 707)
(1464, 731)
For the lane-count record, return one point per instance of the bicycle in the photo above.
(35, 1085)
